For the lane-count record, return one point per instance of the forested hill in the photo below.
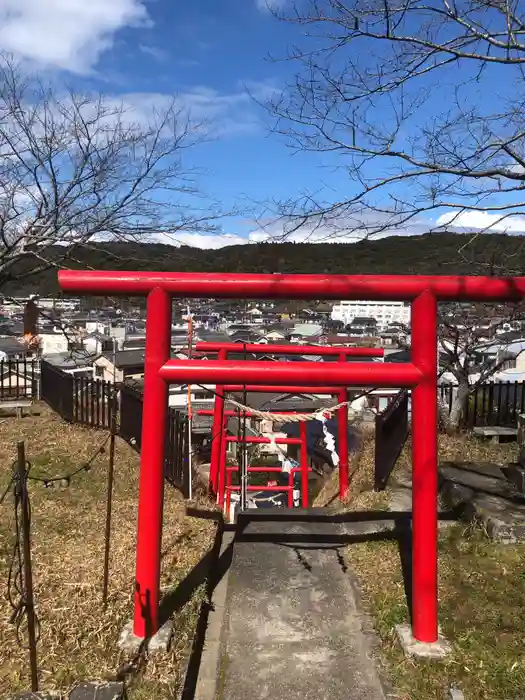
(443, 253)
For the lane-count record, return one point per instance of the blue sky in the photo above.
(206, 52)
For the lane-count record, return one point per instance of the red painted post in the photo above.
(151, 485)
(228, 475)
(304, 463)
(221, 489)
(342, 429)
(424, 469)
(217, 430)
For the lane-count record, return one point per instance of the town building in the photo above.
(384, 312)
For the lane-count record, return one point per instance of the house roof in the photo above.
(340, 340)
(70, 359)
(233, 327)
(283, 328)
(398, 356)
(11, 346)
(243, 337)
(208, 355)
(323, 308)
(134, 344)
(124, 359)
(307, 329)
(364, 320)
(207, 336)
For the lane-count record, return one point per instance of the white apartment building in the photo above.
(385, 312)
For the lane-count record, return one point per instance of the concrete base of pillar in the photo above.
(159, 642)
(441, 649)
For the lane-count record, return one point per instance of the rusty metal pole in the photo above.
(27, 588)
(111, 477)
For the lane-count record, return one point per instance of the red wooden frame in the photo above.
(222, 349)
(421, 374)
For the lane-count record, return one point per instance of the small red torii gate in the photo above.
(423, 291)
(342, 353)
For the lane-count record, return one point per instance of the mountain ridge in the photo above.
(443, 253)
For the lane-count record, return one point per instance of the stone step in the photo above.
(480, 491)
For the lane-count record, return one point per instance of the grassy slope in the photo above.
(78, 638)
(481, 599)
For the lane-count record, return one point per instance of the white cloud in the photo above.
(272, 232)
(159, 55)
(66, 34)
(482, 221)
(221, 113)
(207, 241)
(276, 231)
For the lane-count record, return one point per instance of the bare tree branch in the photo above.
(77, 168)
(423, 103)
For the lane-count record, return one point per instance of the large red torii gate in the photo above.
(420, 374)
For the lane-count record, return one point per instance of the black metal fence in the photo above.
(496, 403)
(130, 416)
(89, 402)
(391, 434)
(77, 399)
(56, 389)
(176, 464)
(19, 379)
(177, 445)
(92, 402)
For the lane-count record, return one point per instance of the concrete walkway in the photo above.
(291, 628)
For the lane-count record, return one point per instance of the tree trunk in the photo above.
(459, 406)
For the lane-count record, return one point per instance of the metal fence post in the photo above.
(27, 586)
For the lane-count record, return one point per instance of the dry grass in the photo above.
(481, 602)
(481, 590)
(361, 495)
(465, 447)
(79, 638)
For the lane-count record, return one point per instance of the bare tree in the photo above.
(77, 168)
(419, 105)
(473, 347)
(423, 101)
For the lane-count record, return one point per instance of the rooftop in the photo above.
(124, 359)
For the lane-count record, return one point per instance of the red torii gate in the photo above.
(342, 353)
(423, 291)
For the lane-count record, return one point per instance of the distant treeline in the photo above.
(440, 253)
